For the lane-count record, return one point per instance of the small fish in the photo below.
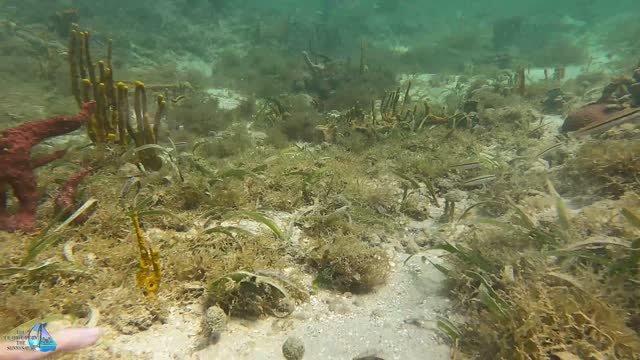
(549, 149)
(177, 99)
(480, 180)
(467, 165)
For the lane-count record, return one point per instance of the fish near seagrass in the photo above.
(478, 180)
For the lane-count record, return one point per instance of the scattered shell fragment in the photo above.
(94, 316)
(67, 250)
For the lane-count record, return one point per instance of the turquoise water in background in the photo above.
(337, 27)
(188, 26)
(407, 18)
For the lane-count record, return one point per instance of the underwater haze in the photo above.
(327, 179)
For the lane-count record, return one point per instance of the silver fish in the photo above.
(479, 180)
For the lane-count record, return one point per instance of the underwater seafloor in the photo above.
(262, 186)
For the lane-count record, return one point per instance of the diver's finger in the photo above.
(76, 338)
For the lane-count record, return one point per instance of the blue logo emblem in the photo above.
(40, 340)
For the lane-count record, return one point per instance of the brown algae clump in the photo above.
(349, 265)
(250, 295)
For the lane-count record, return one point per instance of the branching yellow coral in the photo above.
(149, 276)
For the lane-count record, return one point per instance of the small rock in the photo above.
(423, 241)
(555, 101)
(410, 246)
(215, 322)
(280, 325)
(455, 195)
(415, 208)
(338, 306)
(556, 157)
(293, 348)
(445, 184)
